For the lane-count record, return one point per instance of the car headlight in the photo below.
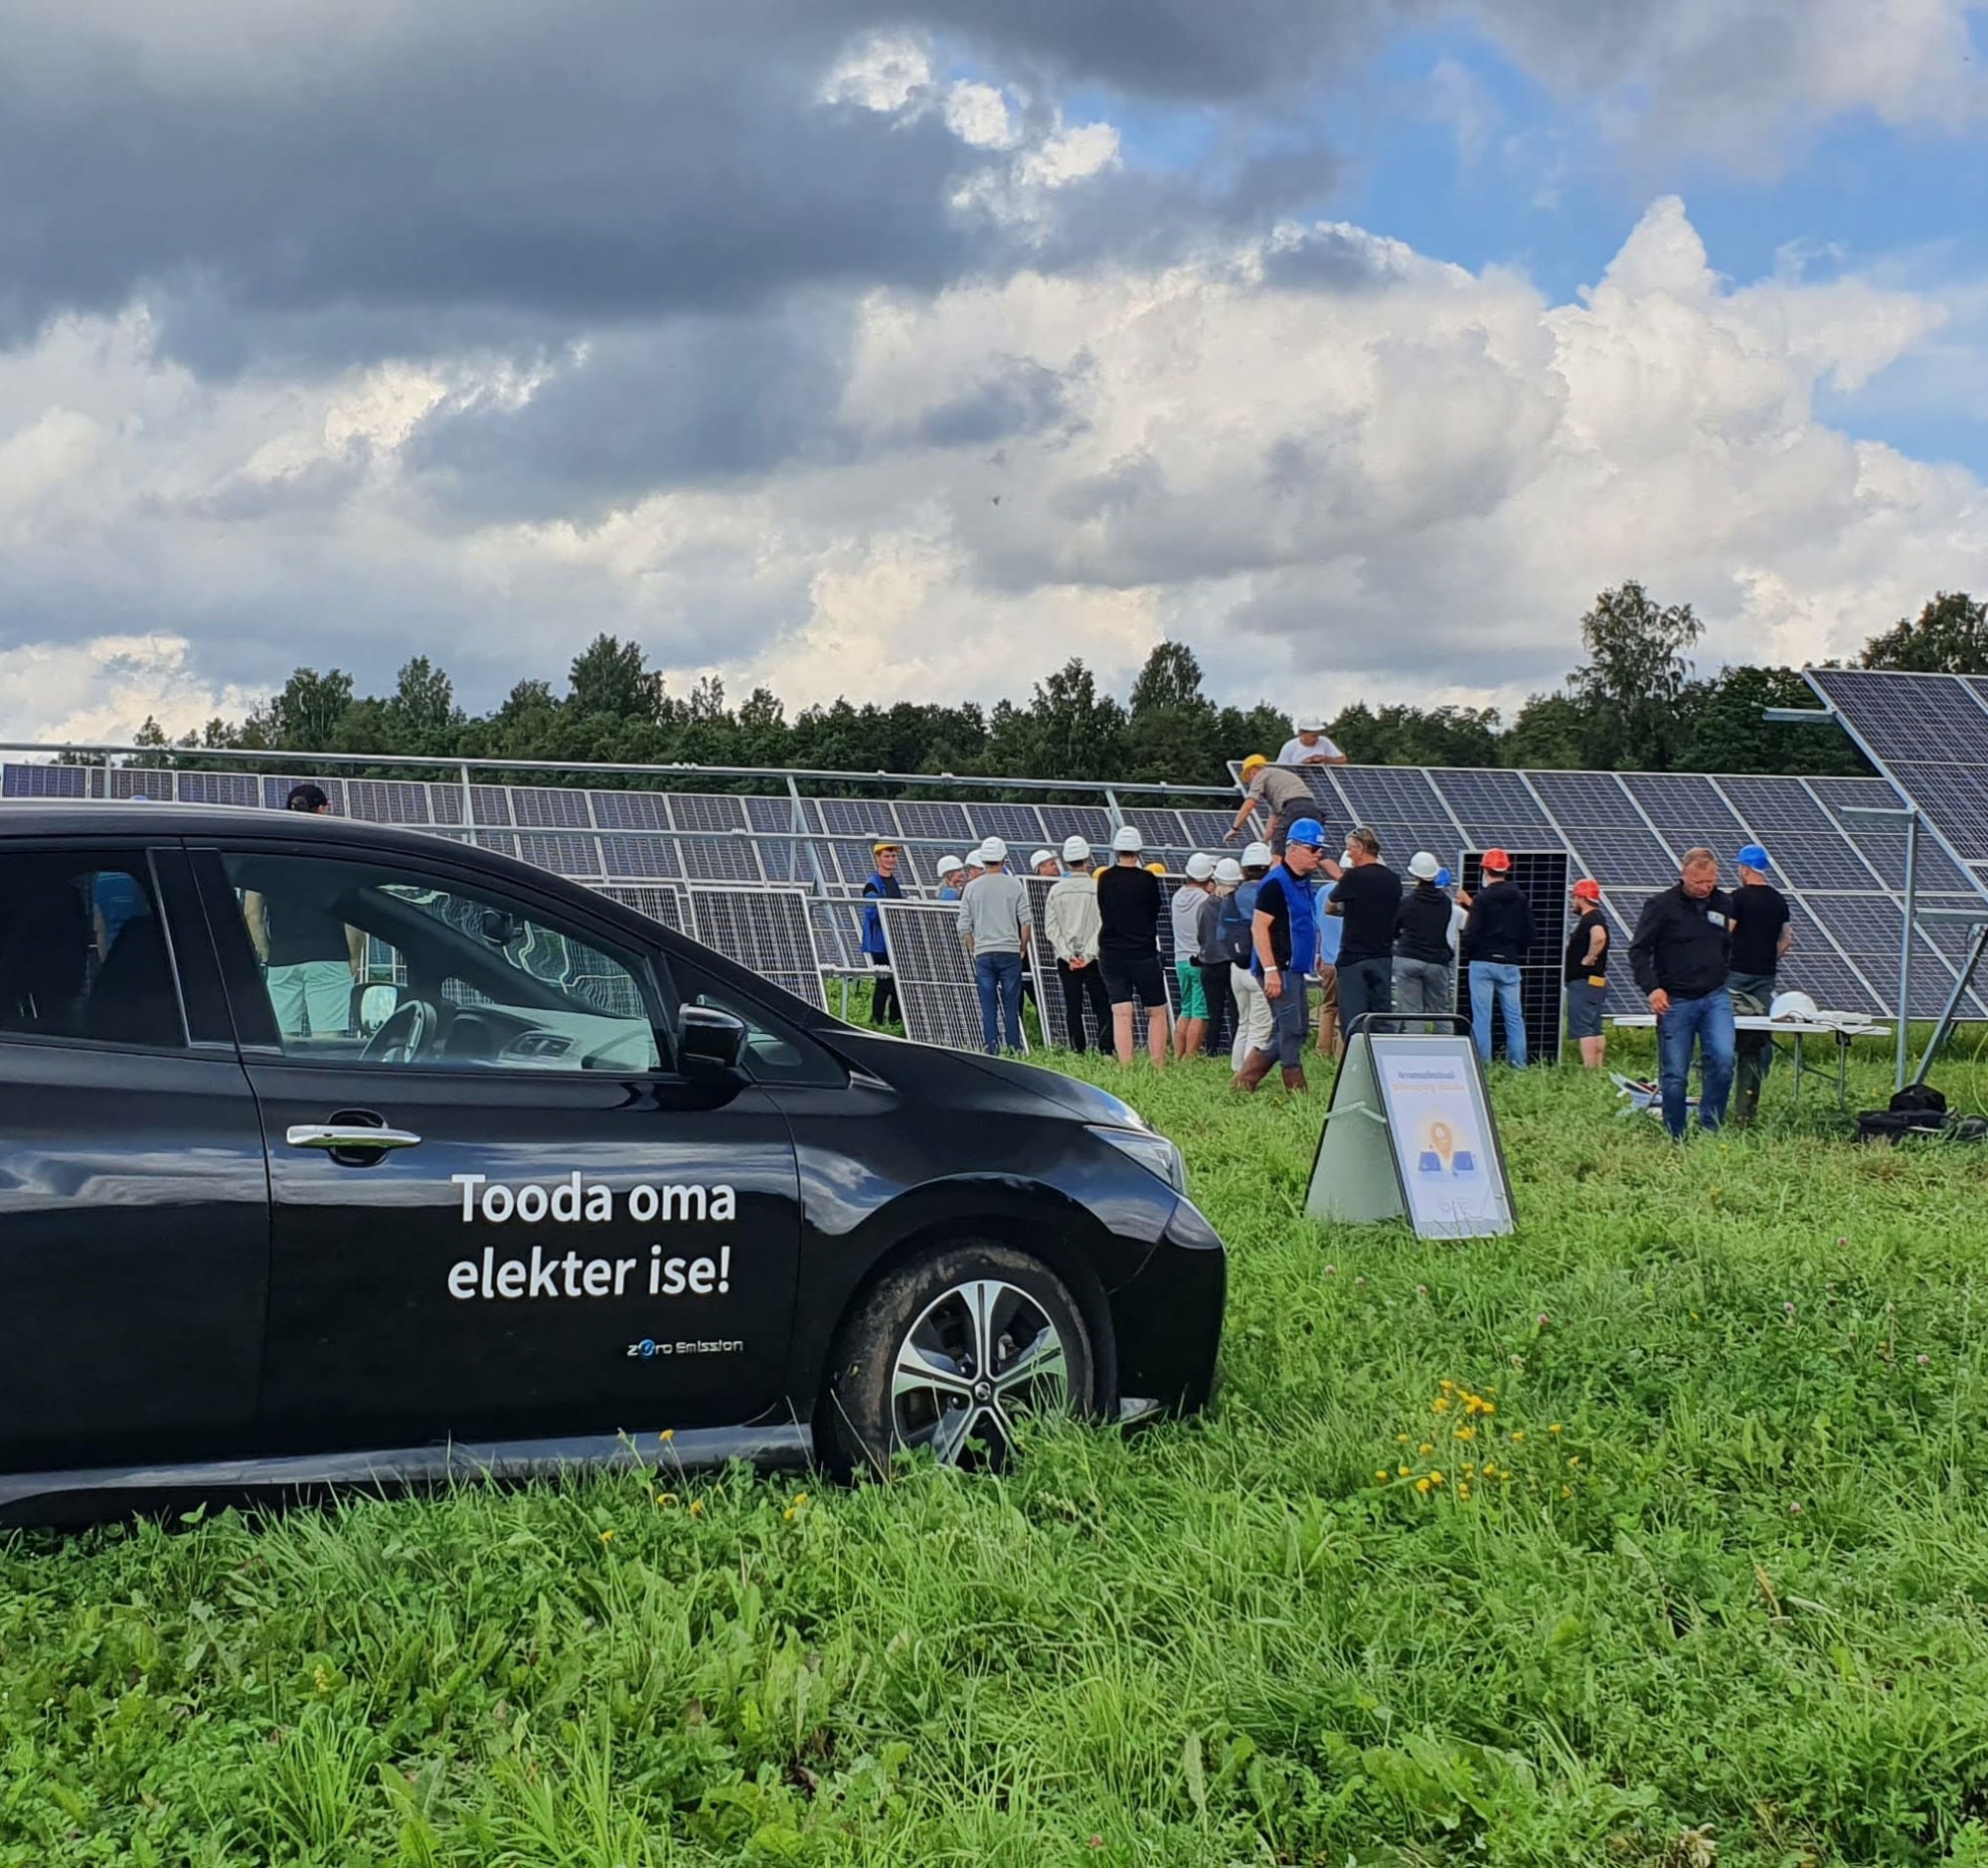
(1155, 1153)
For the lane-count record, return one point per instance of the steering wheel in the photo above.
(404, 1036)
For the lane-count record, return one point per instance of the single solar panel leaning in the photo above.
(765, 930)
(1542, 877)
(934, 976)
(1056, 1026)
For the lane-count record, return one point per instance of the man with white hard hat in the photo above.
(1310, 747)
(1070, 919)
(1421, 942)
(1253, 1019)
(1212, 950)
(1129, 905)
(1044, 863)
(952, 878)
(1189, 900)
(993, 923)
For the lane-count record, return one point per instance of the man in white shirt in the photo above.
(1070, 919)
(1311, 747)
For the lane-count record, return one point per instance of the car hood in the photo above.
(957, 1077)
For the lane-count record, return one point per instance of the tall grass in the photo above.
(1705, 1576)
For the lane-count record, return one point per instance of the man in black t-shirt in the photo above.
(1585, 974)
(1762, 932)
(1365, 899)
(1129, 905)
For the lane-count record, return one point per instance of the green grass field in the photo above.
(1705, 1576)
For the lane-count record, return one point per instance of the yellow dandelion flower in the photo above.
(789, 1514)
(800, 1498)
(1423, 1485)
(1463, 1492)
(1467, 1433)
(1470, 1471)
(1555, 1428)
(1449, 1387)
(697, 1507)
(1519, 1433)
(607, 1537)
(1381, 1478)
(1436, 1478)
(1401, 1439)
(1441, 1405)
(1567, 1491)
(1401, 1471)
(667, 1434)
(666, 1498)
(1574, 1460)
(1490, 1471)
(1426, 1447)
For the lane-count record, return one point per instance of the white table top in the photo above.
(1793, 1027)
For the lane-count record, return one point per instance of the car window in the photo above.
(83, 951)
(379, 963)
(776, 1052)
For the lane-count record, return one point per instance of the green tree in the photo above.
(612, 677)
(422, 716)
(1416, 736)
(1723, 730)
(304, 715)
(1550, 732)
(1634, 678)
(1173, 732)
(1950, 637)
(1069, 730)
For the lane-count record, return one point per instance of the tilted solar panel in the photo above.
(387, 802)
(1016, 825)
(659, 901)
(550, 807)
(765, 930)
(1952, 796)
(1395, 793)
(1586, 799)
(1806, 848)
(777, 814)
(22, 780)
(1496, 809)
(707, 813)
(1090, 822)
(630, 810)
(217, 787)
(1906, 716)
(565, 854)
(1688, 811)
(720, 859)
(858, 817)
(637, 856)
(922, 817)
(1625, 858)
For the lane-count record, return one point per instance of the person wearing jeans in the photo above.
(1707, 1021)
(998, 979)
(993, 923)
(1497, 981)
(1499, 930)
(1681, 958)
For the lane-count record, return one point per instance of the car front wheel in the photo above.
(950, 1352)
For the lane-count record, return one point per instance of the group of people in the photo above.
(1264, 931)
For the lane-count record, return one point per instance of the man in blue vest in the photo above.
(884, 886)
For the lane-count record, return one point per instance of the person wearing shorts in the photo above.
(1191, 1026)
(1129, 906)
(1585, 974)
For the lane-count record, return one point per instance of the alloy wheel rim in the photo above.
(981, 1357)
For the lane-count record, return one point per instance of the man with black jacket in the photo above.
(1496, 936)
(1421, 942)
(1680, 955)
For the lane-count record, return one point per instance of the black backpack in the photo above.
(1237, 933)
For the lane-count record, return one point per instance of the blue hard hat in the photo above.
(1443, 878)
(1753, 857)
(1308, 831)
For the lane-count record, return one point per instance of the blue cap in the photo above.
(1753, 857)
(1443, 878)
(1307, 830)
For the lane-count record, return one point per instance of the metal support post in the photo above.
(468, 808)
(1905, 944)
(1950, 1011)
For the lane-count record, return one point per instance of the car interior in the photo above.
(82, 952)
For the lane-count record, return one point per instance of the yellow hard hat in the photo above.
(878, 849)
(1158, 869)
(1254, 761)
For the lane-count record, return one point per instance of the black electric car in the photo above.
(329, 1151)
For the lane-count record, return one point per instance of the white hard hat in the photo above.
(1793, 1006)
(1127, 841)
(1041, 857)
(1423, 867)
(993, 851)
(1076, 850)
(1259, 856)
(1312, 722)
(1200, 866)
(1229, 871)
(949, 865)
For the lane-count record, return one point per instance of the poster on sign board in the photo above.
(1410, 1132)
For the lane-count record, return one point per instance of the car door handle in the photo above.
(339, 1137)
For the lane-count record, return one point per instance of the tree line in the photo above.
(1634, 704)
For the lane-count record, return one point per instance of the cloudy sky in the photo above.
(906, 349)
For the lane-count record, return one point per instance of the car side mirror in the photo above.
(710, 1042)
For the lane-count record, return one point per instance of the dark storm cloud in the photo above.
(439, 168)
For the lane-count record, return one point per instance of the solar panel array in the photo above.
(935, 988)
(661, 851)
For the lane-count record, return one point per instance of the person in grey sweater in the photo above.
(993, 923)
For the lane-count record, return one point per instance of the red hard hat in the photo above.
(1587, 889)
(1494, 859)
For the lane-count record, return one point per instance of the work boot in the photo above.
(1294, 1080)
(1256, 1067)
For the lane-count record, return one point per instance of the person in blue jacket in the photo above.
(883, 886)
